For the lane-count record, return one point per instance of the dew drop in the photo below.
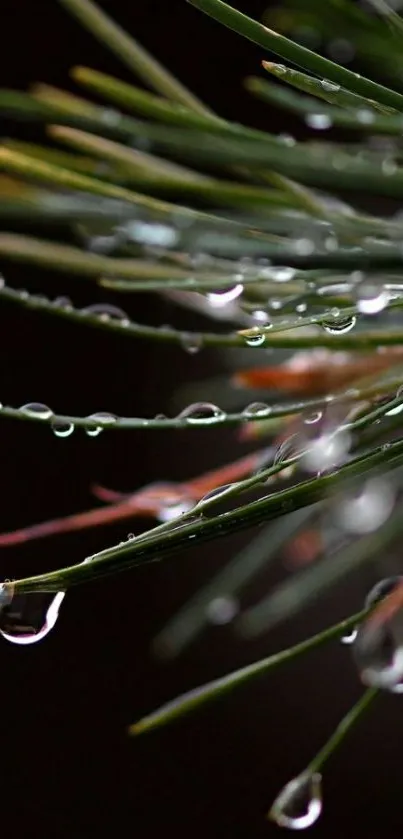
(371, 297)
(299, 803)
(318, 121)
(366, 512)
(148, 233)
(36, 409)
(219, 299)
(331, 87)
(326, 452)
(191, 342)
(378, 649)
(256, 409)
(337, 324)
(172, 510)
(255, 340)
(222, 610)
(202, 413)
(304, 246)
(313, 418)
(29, 617)
(260, 316)
(62, 428)
(106, 311)
(216, 493)
(104, 418)
(365, 116)
(63, 303)
(377, 593)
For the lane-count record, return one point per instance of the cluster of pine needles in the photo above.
(267, 236)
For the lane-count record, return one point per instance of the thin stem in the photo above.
(134, 56)
(192, 700)
(342, 730)
(155, 546)
(303, 57)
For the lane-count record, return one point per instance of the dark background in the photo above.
(69, 769)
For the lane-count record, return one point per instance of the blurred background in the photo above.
(69, 769)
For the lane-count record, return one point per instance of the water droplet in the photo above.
(378, 649)
(29, 617)
(338, 324)
(377, 593)
(299, 803)
(218, 299)
(130, 537)
(331, 87)
(106, 311)
(367, 511)
(216, 493)
(62, 428)
(222, 610)
(63, 303)
(365, 116)
(304, 246)
(255, 340)
(191, 342)
(318, 121)
(256, 409)
(152, 234)
(281, 273)
(110, 117)
(172, 510)
(313, 418)
(389, 166)
(102, 244)
(100, 416)
(260, 316)
(202, 413)
(36, 409)
(371, 297)
(350, 638)
(326, 452)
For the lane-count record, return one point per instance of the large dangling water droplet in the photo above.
(62, 428)
(299, 803)
(371, 297)
(255, 340)
(256, 409)
(338, 324)
(202, 413)
(29, 617)
(378, 648)
(377, 593)
(37, 410)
